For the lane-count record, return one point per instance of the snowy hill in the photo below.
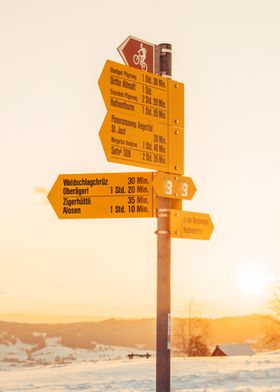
(21, 354)
(127, 333)
(23, 344)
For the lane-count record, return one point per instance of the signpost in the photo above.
(103, 195)
(144, 127)
(139, 54)
(145, 122)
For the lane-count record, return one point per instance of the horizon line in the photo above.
(37, 318)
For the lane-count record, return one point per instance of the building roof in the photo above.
(235, 349)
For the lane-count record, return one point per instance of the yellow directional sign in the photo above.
(133, 91)
(173, 186)
(145, 123)
(103, 195)
(194, 225)
(134, 141)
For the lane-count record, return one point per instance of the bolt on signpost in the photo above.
(144, 127)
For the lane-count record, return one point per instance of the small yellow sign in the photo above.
(103, 195)
(193, 225)
(173, 186)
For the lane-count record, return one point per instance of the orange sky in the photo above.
(228, 57)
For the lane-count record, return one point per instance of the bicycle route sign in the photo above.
(144, 125)
(138, 54)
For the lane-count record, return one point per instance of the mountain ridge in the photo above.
(132, 332)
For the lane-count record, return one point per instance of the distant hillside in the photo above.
(250, 329)
(47, 318)
(130, 333)
(127, 333)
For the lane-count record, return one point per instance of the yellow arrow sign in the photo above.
(103, 195)
(135, 141)
(194, 225)
(145, 123)
(133, 91)
(173, 186)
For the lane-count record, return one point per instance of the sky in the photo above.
(227, 54)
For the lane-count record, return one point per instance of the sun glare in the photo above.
(252, 280)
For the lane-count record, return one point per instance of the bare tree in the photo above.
(275, 304)
(273, 334)
(191, 335)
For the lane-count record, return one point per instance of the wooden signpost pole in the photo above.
(163, 344)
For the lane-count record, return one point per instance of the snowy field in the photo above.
(259, 373)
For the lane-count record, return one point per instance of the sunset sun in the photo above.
(252, 280)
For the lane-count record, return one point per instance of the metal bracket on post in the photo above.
(165, 50)
(162, 232)
(162, 212)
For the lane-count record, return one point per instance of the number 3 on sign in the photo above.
(184, 189)
(181, 187)
(167, 184)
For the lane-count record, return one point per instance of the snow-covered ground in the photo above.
(259, 373)
(21, 354)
